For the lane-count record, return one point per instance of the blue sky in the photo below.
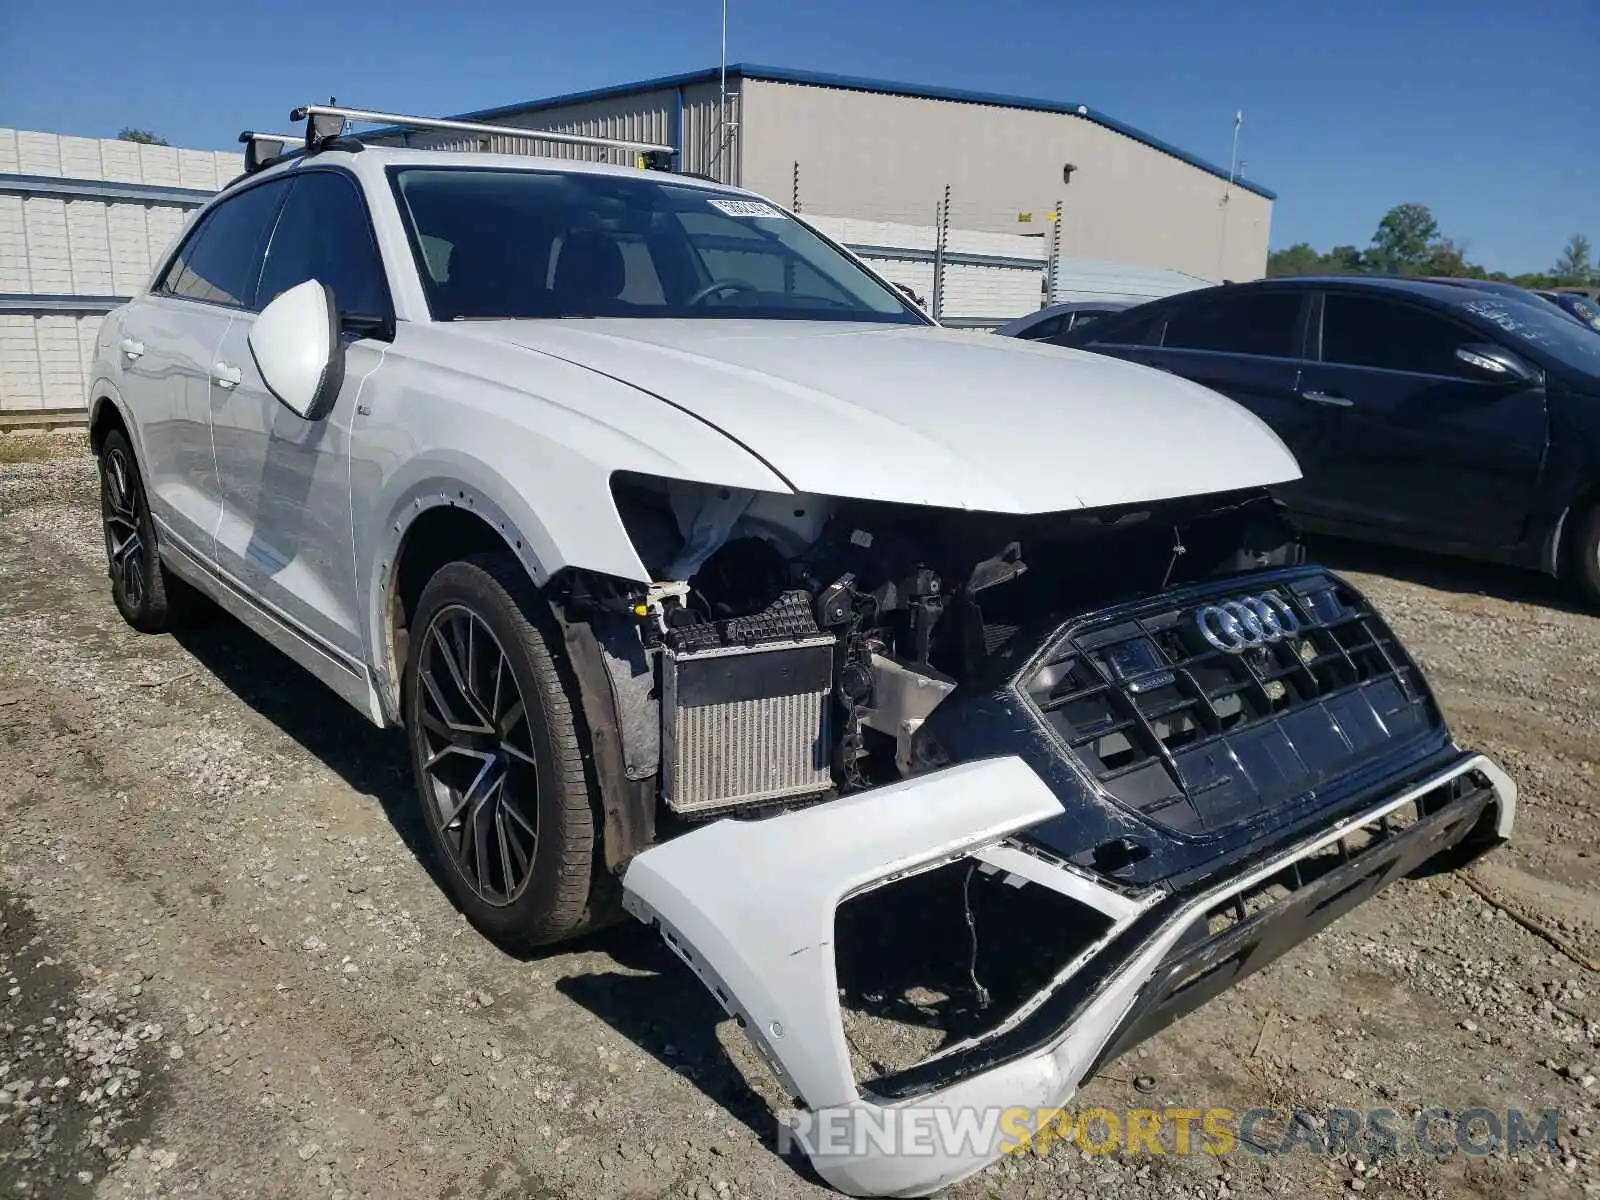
(1483, 110)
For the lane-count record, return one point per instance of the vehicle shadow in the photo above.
(658, 1004)
(371, 761)
(652, 999)
(1442, 573)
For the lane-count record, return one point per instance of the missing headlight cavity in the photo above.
(914, 976)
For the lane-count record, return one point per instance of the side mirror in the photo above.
(296, 345)
(1491, 362)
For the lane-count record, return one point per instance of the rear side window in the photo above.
(1041, 330)
(1133, 333)
(1364, 331)
(221, 259)
(1265, 323)
(323, 234)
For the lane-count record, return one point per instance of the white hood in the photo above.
(920, 415)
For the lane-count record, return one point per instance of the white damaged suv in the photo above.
(955, 685)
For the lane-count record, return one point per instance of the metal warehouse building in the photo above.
(908, 177)
(908, 157)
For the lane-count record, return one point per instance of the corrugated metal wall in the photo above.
(643, 117)
(646, 117)
(988, 277)
(1086, 279)
(67, 254)
(710, 146)
(890, 157)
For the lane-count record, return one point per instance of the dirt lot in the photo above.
(225, 973)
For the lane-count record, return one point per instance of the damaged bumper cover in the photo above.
(750, 906)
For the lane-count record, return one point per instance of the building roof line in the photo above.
(859, 84)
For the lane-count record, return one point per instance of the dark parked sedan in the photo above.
(1422, 414)
(1578, 305)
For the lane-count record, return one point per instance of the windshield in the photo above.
(1583, 308)
(495, 243)
(1549, 334)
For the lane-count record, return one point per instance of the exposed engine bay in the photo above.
(1043, 746)
(801, 642)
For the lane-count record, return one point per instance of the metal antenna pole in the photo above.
(724, 128)
(1227, 194)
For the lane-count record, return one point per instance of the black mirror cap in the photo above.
(1491, 362)
(332, 381)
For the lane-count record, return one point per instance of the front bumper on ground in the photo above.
(750, 906)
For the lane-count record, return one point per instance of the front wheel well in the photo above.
(439, 536)
(105, 419)
(1567, 548)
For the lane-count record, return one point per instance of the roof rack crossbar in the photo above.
(544, 135)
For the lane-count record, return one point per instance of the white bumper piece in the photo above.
(750, 906)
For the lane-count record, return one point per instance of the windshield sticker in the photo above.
(1494, 310)
(744, 208)
(1546, 331)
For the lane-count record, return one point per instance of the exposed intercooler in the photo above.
(747, 723)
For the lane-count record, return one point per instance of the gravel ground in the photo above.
(225, 972)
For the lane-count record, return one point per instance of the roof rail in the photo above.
(651, 154)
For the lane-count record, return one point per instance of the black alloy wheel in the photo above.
(1585, 561)
(498, 750)
(479, 764)
(140, 586)
(123, 511)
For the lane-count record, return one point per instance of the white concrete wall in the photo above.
(73, 246)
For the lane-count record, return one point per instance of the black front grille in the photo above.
(1199, 738)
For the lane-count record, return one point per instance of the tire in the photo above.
(508, 813)
(1585, 562)
(147, 596)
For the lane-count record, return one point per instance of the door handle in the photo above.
(224, 375)
(132, 348)
(1328, 398)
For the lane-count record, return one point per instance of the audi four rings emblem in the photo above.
(1250, 621)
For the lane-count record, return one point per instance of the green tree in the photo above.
(1448, 258)
(1298, 259)
(1303, 259)
(1345, 260)
(143, 136)
(1574, 266)
(1538, 279)
(1404, 240)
